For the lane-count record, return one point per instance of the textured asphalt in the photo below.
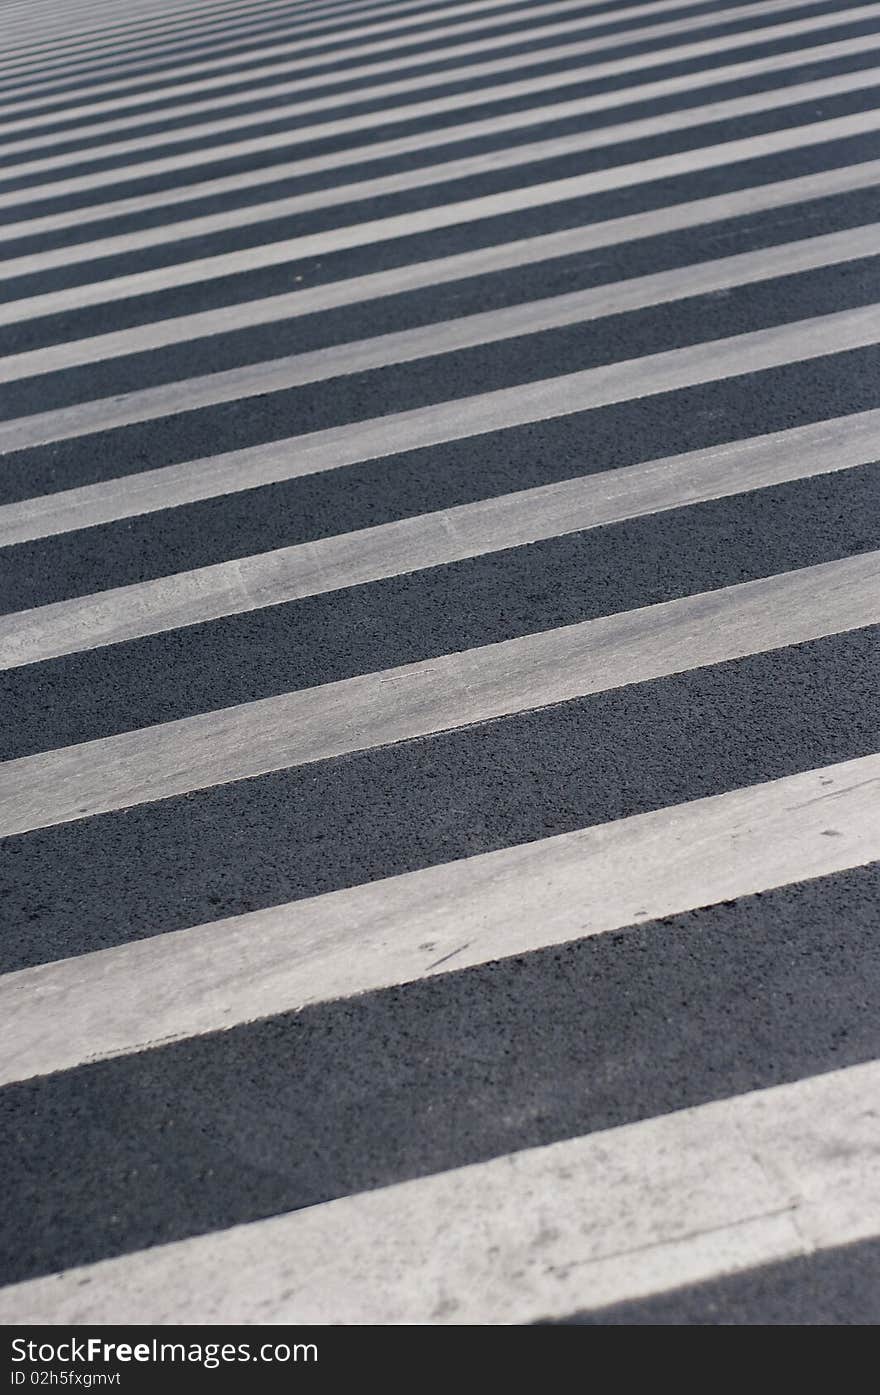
(517, 1054)
(833, 1288)
(305, 831)
(342, 1097)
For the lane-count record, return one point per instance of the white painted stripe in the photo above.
(259, 145)
(579, 1224)
(72, 31)
(171, 84)
(435, 176)
(393, 38)
(317, 34)
(641, 90)
(436, 539)
(28, 23)
(431, 340)
(299, 84)
(455, 690)
(417, 275)
(438, 920)
(32, 15)
(178, 81)
(438, 216)
(81, 20)
(258, 75)
(34, 28)
(68, 52)
(70, 57)
(338, 446)
(383, 66)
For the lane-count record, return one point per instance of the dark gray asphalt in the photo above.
(220, 1130)
(833, 1288)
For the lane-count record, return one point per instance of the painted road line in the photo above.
(436, 539)
(444, 918)
(420, 41)
(658, 1204)
(140, 13)
(135, 38)
(335, 447)
(363, 93)
(431, 340)
(437, 175)
(259, 145)
(220, 65)
(325, 36)
(406, 61)
(804, 137)
(47, 29)
(257, 178)
(456, 690)
(375, 69)
(419, 275)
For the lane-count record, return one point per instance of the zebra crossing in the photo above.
(440, 767)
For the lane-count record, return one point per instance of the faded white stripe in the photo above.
(167, 198)
(424, 38)
(438, 216)
(455, 690)
(471, 166)
(575, 1225)
(431, 340)
(417, 275)
(279, 140)
(32, 27)
(338, 446)
(299, 85)
(438, 920)
(436, 539)
(63, 55)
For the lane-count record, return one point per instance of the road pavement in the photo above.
(439, 642)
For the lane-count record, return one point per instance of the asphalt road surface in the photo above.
(440, 575)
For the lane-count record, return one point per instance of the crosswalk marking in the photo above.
(362, 122)
(438, 617)
(367, 233)
(419, 699)
(336, 447)
(468, 331)
(351, 559)
(141, 18)
(212, 977)
(446, 171)
(69, 31)
(643, 61)
(402, 145)
(99, 179)
(418, 275)
(320, 41)
(150, 34)
(446, 336)
(586, 1222)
